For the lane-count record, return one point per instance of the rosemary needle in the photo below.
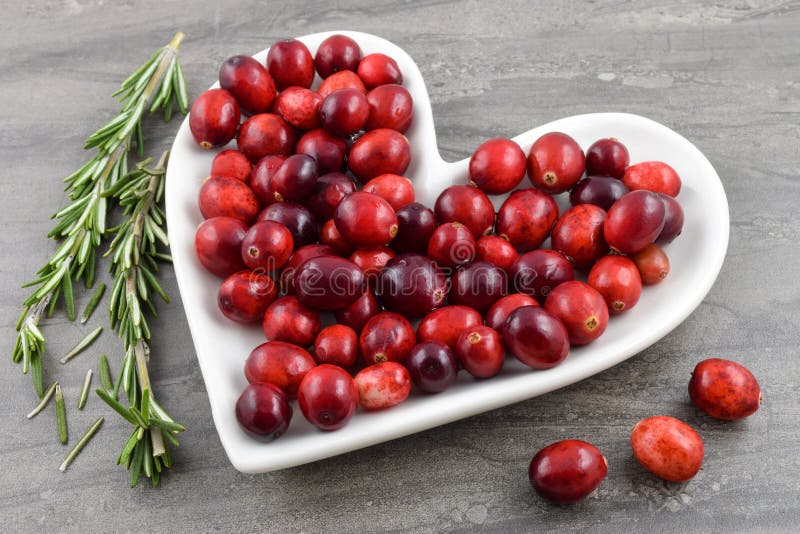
(61, 416)
(82, 344)
(92, 304)
(87, 383)
(81, 443)
(105, 374)
(43, 402)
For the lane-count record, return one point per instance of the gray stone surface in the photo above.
(724, 74)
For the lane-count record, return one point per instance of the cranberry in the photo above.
(337, 52)
(446, 324)
(555, 162)
(295, 179)
(452, 245)
(496, 251)
(467, 205)
(582, 310)
(341, 80)
(397, 190)
(602, 191)
(249, 83)
(497, 166)
(231, 164)
(617, 279)
(371, 262)
(261, 178)
(329, 283)
(380, 151)
(415, 226)
(724, 389)
(214, 118)
(329, 235)
(668, 448)
(500, 310)
(432, 366)
(329, 151)
(263, 411)
(359, 312)
(227, 197)
(526, 218)
(411, 284)
(538, 272)
(654, 176)
(296, 218)
(673, 220)
(265, 134)
(379, 69)
(365, 220)
(288, 320)
(383, 385)
(290, 63)
(578, 235)
(567, 471)
(535, 337)
(607, 157)
(218, 244)
(337, 345)
(299, 257)
(299, 107)
(328, 397)
(480, 351)
(652, 263)
(634, 221)
(478, 285)
(267, 246)
(329, 190)
(244, 296)
(390, 106)
(281, 364)
(344, 112)
(387, 337)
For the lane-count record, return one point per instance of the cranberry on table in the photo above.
(288, 320)
(411, 284)
(415, 226)
(337, 345)
(295, 179)
(581, 308)
(328, 397)
(244, 296)
(227, 197)
(231, 163)
(267, 246)
(724, 389)
(263, 411)
(467, 205)
(299, 107)
(300, 222)
(497, 166)
(496, 251)
(478, 285)
(433, 366)
(214, 118)
(652, 263)
(329, 283)
(379, 69)
(578, 235)
(382, 385)
(602, 191)
(673, 220)
(480, 351)
(634, 221)
(337, 52)
(387, 337)
(526, 218)
(451, 245)
(299, 257)
(371, 262)
(555, 162)
(654, 176)
(281, 364)
(218, 244)
(359, 312)
(329, 151)
(535, 337)
(500, 310)
(344, 112)
(397, 190)
(567, 471)
(341, 80)
(365, 220)
(290, 63)
(617, 279)
(329, 235)
(265, 134)
(261, 178)
(668, 448)
(446, 324)
(390, 106)
(249, 83)
(329, 190)
(538, 272)
(607, 157)
(380, 151)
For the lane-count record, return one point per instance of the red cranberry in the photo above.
(567, 471)
(497, 166)
(607, 157)
(344, 112)
(267, 246)
(411, 284)
(415, 226)
(673, 220)
(341, 80)
(329, 190)
(582, 310)
(724, 389)
(329, 235)
(295, 179)
(281, 364)
(555, 162)
(337, 345)
(249, 83)
(634, 221)
(526, 218)
(500, 310)
(214, 118)
(296, 218)
(261, 178)
(227, 197)
(218, 243)
(538, 272)
(387, 337)
(263, 411)
(446, 324)
(365, 220)
(328, 397)
(359, 312)
(535, 337)
(617, 279)
(337, 52)
(231, 164)
(290, 63)
(496, 251)
(602, 191)
(652, 263)
(382, 385)
(397, 190)
(379, 69)
(467, 205)
(478, 285)
(432, 366)
(299, 257)
(371, 262)
(480, 351)
(578, 235)
(654, 176)
(288, 320)
(299, 107)
(668, 448)
(381, 151)
(329, 151)
(329, 283)
(244, 296)
(265, 134)
(390, 106)
(452, 245)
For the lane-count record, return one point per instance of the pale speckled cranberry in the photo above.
(382, 385)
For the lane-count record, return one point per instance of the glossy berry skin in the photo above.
(227, 197)
(496, 251)
(668, 448)
(344, 112)
(724, 389)
(261, 178)
(526, 218)
(288, 320)
(652, 263)
(607, 157)
(299, 107)
(300, 222)
(567, 471)
(634, 221)
(341, 80)
(538, 272)
(433, 366)
(214, 118)
(390, 106)
(244, 296)
(602, 191)
(478, 285)
(673, 220)
(371, 262)
(299, 257)
(329, 235)
(480, 351)
(359, 312)
(582, 310)
(380, 151)
(265, 134)
(379, 69)
(337, 52)
(412, 285)
(249, 83)
(329, 151)
(329, 283)
(281, 364)
(267, 246)
(467, 205)
(290, 63)
(231, 164)
(578, 235)
(415, 226)
(500, 310)
(535, 337)
(654, 176)
(337, 345)
(328, 397)
(218, 244)
(451, 245)
(329, 190)
(497, 166)
(446, 324)
(555, 162)
(365, 220)
(397, 190)
(617, 279)
(382, 385)
(263, 411)
(295, 179)
(387, 337)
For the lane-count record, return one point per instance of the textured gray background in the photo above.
(723, 74)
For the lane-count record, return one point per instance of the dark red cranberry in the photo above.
(500, 310)
(387, 337)
(371, 262)
(496, 251)
(231, 164)
(329, 235)
(218, 244)
(415, 226)
(337, 345)
(344, 112)
(655, 176)
(214, 118)
(634, 221)
(261, 178)
(299, 107)
(329, 190)
(341, 80)
(296, 218)
(432, 366)
(555, 162)
(365, 220)
(329, 151)
(668, 448)
(329, 283)
(267, 246)
(582, 310)
(497, 166)
(381, 151)
(297, 259)
(451, 245)
(278, 363)
(411, 284)
(480, 351)
(379, 69)
(578, 235)
(290, 63)
(724, 389)
(607, 157)
(390, 106)
(328, 397)
(397, 190)
(617, 279)
(673, 220)
(265, 134)
(652, 263)
(295, 179)
(249, 83)
(263, 411)
(478, 285)
(526, 218)
(567, 471)
(535, 337)
(382, 385)
(602, 191)
(227, 197)
(288, 320)
(467, 205)
(244, 296)
(337, 52)
(538, 272)
(446, 324)
(359, 312)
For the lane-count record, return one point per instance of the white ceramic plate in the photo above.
(222, 346)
